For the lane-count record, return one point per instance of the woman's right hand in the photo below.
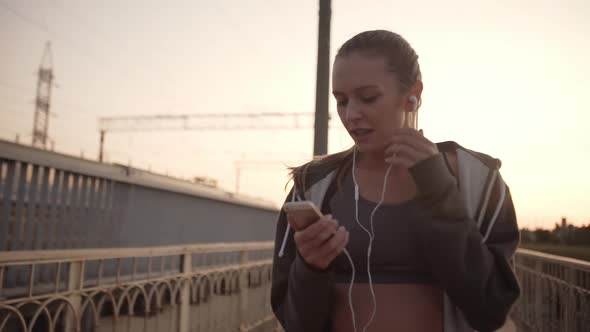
(321, 242)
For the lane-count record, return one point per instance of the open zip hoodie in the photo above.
(468, 234)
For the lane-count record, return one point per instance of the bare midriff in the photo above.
(400, 307)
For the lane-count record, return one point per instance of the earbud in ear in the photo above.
(411, 116)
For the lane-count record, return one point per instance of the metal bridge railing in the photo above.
(555, 293)
(219, 287)
(211, 287)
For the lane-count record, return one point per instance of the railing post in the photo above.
(75, 284)
(538, 311)
(185, 293)
(243, 297)
(569, 321)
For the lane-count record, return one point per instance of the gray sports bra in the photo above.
(395, 257)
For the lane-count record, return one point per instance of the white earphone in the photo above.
(371, 233)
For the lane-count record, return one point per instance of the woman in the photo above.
(438, 218)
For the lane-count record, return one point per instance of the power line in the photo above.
(15, 127)
(72, 45)
(12, 109)
(13, 87)
(59, 106)
(84, 22)
(68, 112)
(207, 121)
(138, 74)
(204, 121)
(20, 98)
(131, 74)
(66, 41)
(24, 17)
(10, 130)
(97, 32)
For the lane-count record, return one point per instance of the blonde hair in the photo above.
(341, 161)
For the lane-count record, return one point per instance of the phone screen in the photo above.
(302, 216)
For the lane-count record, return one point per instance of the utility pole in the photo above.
(43, 99)
(320, 140)
(101, 148)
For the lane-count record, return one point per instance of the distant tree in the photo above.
(526, 236)
(562, 233)
(545, 236)
(581, 236)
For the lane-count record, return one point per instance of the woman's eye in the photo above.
(341, 102)
(370, 99)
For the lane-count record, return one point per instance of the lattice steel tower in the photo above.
(43, 99)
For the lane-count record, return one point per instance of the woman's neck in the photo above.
(371, 161)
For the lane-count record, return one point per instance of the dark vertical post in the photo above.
(101, 148)
(320, 141)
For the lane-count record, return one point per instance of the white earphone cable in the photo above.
(371, 234)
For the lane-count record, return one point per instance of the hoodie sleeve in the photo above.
(301, 296)
(477, 276)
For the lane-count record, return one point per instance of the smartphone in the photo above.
(302, 213)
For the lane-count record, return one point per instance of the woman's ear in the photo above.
(412, 104)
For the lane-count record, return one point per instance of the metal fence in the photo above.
(212, 287)
(219, 287)
(44, 207)
(555, 293)
(54, 201)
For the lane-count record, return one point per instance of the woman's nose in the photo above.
(352, 112)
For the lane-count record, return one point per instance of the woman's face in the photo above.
(369, 100)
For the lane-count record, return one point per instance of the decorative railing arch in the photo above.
(223, 287)
(193, 288)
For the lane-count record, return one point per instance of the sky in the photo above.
(507, 78)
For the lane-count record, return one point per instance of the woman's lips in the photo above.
(360, 134)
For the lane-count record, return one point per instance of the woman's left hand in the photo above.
(408, 147)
